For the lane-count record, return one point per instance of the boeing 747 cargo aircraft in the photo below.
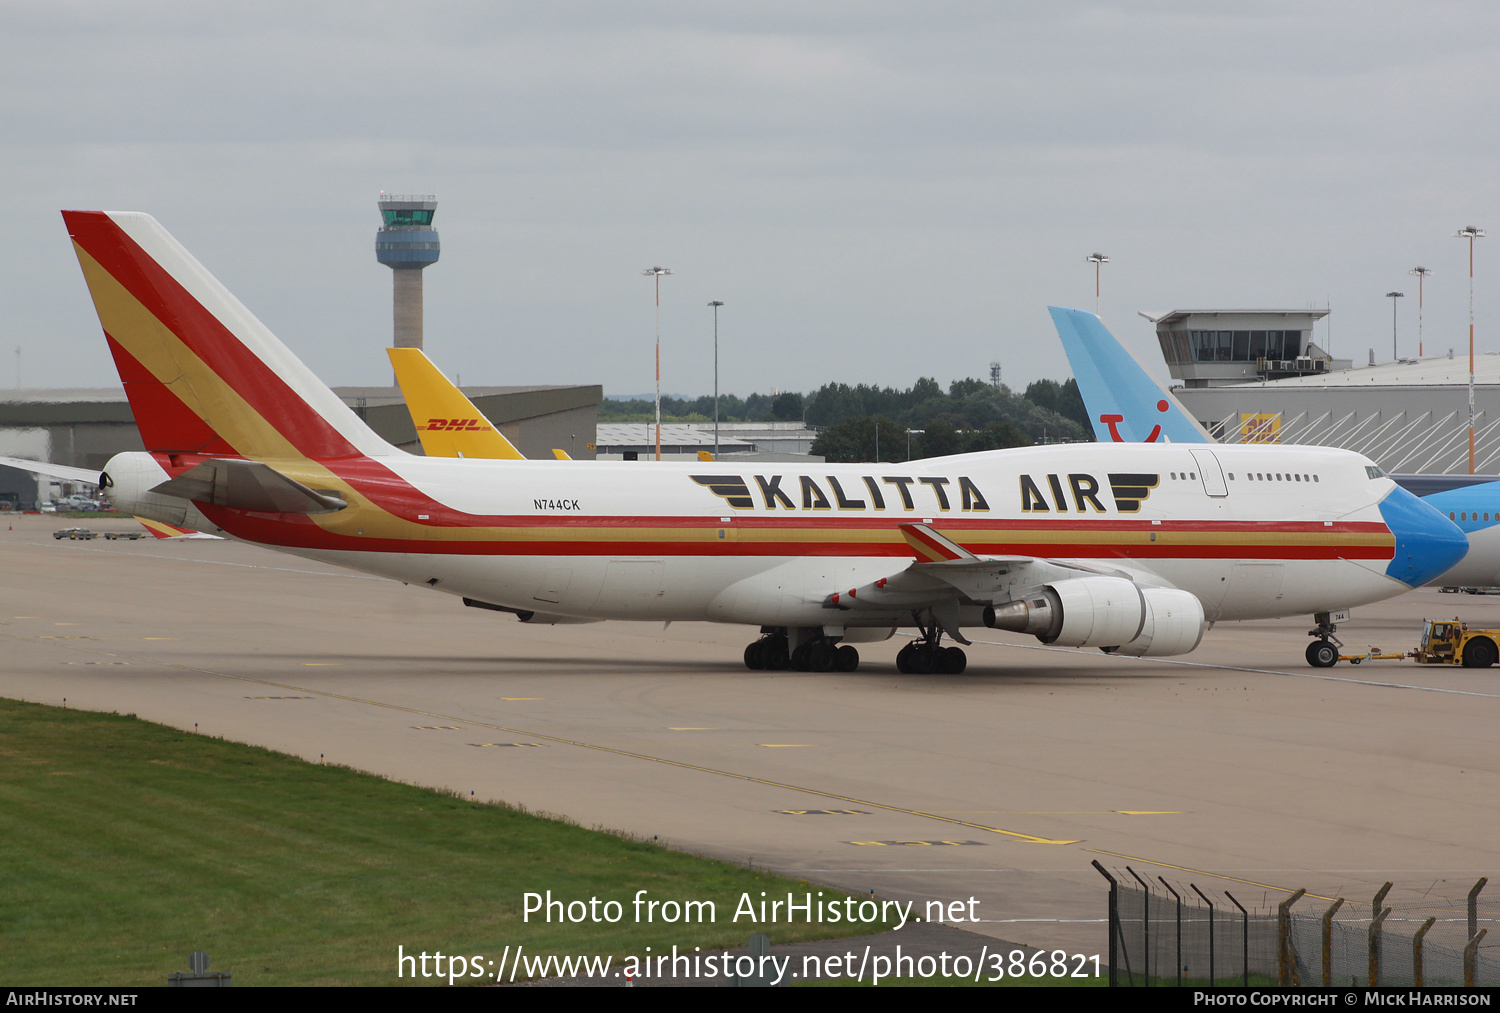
(1131, 548)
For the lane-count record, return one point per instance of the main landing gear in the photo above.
(925, 656)
(1323, 652)
(815, 654)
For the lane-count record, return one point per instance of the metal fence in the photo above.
(1171, 933)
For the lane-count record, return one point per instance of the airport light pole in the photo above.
(1471, 233)
(716, 304)
(1421, 275)
(1096, 259)
(656, 273)
(1393, 296)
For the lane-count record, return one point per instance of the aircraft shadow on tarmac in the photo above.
(459, 665)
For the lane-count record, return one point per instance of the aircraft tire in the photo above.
(953, 661)
(755, 656)
(903, 660)
(821, 657)
(774, 654)
(924, 661)
(799, 660)
(847, 659)
(1322, 654)
(1479, 653)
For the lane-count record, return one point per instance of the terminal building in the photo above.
(1256, 376)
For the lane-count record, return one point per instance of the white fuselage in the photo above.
(767, 543)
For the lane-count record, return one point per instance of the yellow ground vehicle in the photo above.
(1447, 642)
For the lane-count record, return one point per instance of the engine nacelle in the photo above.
(1109, 612)
(128, 479)
(1080, 612)
(1174, 625)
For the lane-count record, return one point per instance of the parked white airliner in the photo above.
(1126, 548)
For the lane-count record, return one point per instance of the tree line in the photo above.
(864, 422)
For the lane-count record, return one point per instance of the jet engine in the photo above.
(1174, 624)
(1108, 612)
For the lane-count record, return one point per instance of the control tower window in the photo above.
(1244, 346)
(407, 216)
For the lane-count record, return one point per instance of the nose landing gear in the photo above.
(1323, 652)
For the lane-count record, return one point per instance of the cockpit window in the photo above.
(1375, 471)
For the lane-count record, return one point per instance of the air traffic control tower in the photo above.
(406, 243)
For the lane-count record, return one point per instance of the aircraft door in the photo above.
(1211, 473)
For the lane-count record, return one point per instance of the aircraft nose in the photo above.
(1427, 543)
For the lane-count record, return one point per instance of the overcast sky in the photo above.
(876, 191)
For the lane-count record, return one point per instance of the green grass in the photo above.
(125, 845)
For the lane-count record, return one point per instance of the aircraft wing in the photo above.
(1124, 404)
(944, 572)
(87, 476)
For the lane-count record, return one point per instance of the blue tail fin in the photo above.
(1124, 404)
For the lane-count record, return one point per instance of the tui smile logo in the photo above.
(1113, 420)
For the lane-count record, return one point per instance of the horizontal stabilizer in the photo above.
(248, 485)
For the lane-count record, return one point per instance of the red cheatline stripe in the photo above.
(302, 532)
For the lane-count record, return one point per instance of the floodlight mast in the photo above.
(1393, 296)
(1096, 259)
(1471, 233)
(656, 273)
(1421, 274)
(716, 304)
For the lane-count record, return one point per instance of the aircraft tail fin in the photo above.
(1124, 404)
(447, 422)
(203, 375)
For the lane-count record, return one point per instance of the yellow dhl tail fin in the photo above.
(447, 423)
(705, 455)
(561, 455)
